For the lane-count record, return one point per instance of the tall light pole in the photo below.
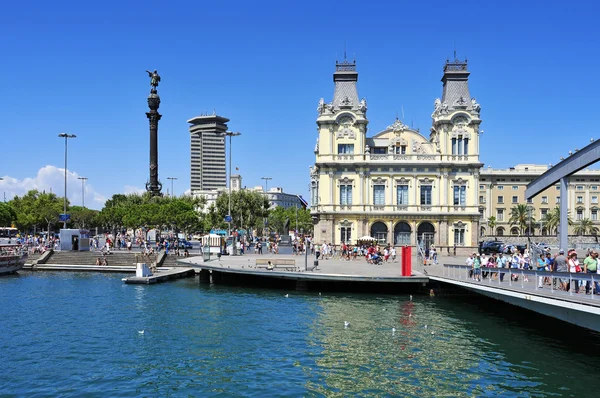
(172, 179)
(266, 196)
(82, 196)
(66, 137)
(230, 134)
(83, 179)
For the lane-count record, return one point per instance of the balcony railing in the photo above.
(390, 157)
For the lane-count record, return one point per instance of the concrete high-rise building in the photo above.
(207, 151)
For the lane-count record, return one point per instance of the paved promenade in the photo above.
(331, 267)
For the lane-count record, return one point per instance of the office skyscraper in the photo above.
(207, 150)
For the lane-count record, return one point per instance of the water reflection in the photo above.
(82, 330)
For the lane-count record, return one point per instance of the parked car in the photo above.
(492, 246)
(508, 249)
(184, 244)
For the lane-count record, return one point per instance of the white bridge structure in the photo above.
(575, 162)
(580, 309)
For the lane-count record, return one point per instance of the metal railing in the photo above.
(463, 272)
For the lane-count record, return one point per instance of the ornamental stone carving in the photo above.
(402, 181)
(397, 126)
(379, 181)
(346, 102)
(417, 147)
(345, 181)
(460, 102)
(346, 132)
(459, 181)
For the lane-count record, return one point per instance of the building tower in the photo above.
(455, 131)
(207, 152)
(342, 127)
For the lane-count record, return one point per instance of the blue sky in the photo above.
(78, 67)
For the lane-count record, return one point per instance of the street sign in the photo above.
(228, 218)
(64, 217)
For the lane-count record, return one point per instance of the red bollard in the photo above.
(406, 261)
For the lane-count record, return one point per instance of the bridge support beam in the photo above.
(563, 228)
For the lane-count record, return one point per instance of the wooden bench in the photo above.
(289, 264)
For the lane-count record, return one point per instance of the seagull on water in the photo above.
(432, 333)
(410, 315)
(287, 295)
(393, 330)
(410, 297)
(141, 331)
(425, 326)
(346, 324)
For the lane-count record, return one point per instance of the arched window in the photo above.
(514, 231)
(499, 231)
(425, 235)
(402, 233)
(379, 231)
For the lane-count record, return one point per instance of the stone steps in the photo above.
(89, 258)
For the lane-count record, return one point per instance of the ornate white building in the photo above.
(397, 186)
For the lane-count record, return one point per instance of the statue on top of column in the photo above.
(154, 79)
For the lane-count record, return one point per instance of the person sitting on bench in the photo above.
(270, 266)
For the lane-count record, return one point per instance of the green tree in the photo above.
(552, 219)
(135, 211)
(82, 217)
(584, 227)
(248, 210)
(8, 216)
(36, 210)
(521, 216)
(492, 222)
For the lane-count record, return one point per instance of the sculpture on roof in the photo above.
(437, 105)
(476, 106)
(321, 107)
(317, 146)
(367, 149)
(346, 101)
(363, 105)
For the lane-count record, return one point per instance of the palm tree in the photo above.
(552, 219)
(585, 226)
(492, 224)
(520, 215)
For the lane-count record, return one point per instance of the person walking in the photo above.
(560, 265)
(590, 266)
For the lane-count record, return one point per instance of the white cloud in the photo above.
(52, 179)
(129, 189)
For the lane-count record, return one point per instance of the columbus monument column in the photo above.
(153, 186)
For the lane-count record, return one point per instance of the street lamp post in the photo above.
(172, 179)
(66, 137)
(230, 134)
(83, 179)
(266, 196)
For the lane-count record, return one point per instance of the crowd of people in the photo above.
(545, 262)
(38, 243)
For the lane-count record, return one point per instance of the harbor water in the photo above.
(88, 334)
